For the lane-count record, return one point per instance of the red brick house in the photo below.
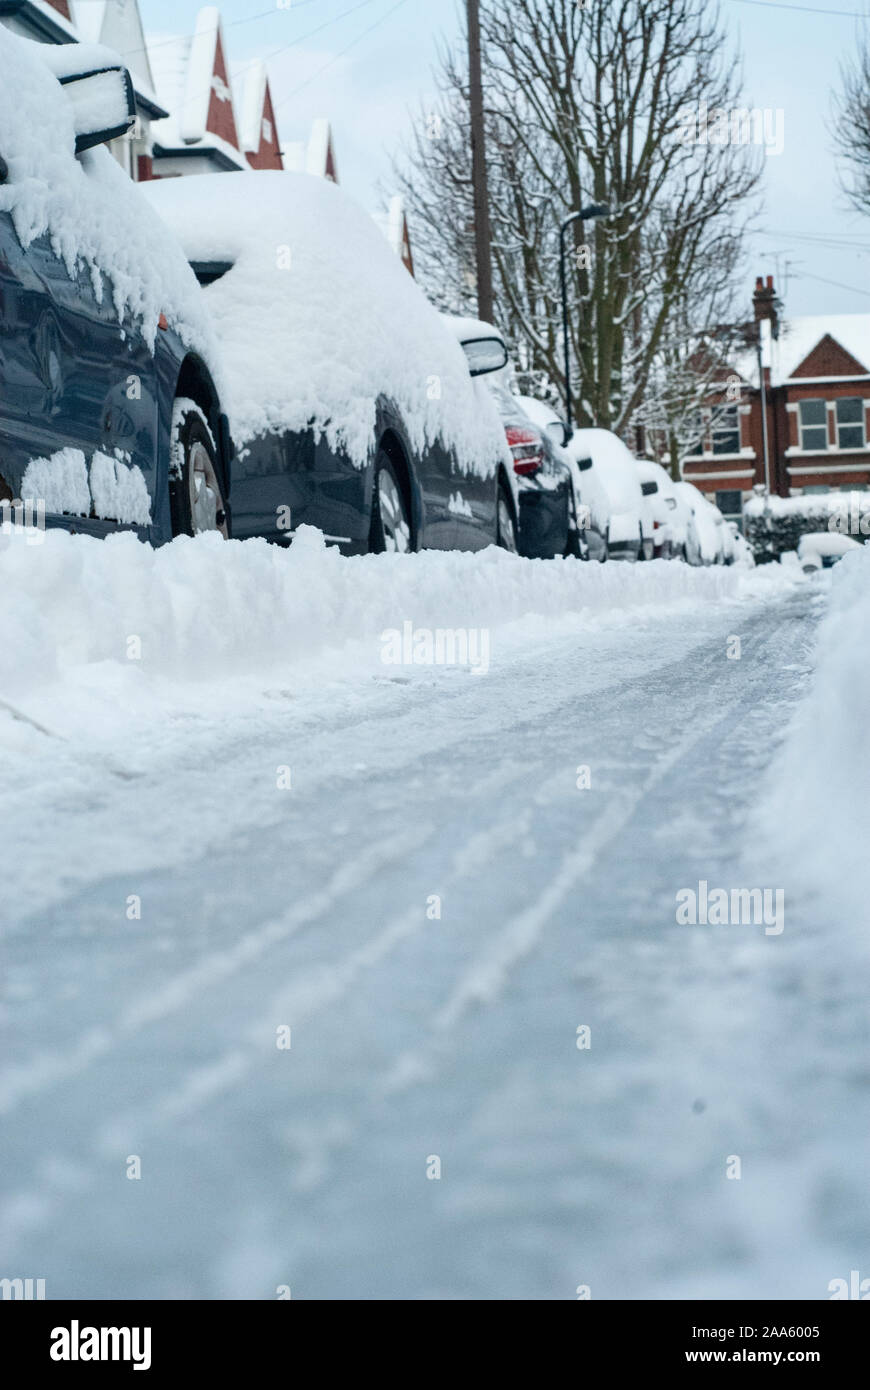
(394, 225)
(257, 125)
(816, 372)
(201, 133)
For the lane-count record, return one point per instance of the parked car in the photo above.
(110, 406)
(588, 488)
(629, 533)
(353, 408)
(822, 549)
(550, 434)
(742, 550)
(666, 513)
(727, 549)
(706, 542)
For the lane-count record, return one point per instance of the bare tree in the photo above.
(590, 103)
(852, 125)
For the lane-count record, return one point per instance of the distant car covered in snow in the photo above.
(110, 408)
(822, 549)
(707, 539)
(588, 488)
(667, 512)
(352, 407)
(629, 530)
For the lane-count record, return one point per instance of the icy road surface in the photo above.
(416, 1038)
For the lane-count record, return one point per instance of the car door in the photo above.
(27, 390)
(101, 371)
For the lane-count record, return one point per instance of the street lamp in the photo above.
(584, 215)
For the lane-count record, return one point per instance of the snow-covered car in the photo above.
(667, 512)
(742, 549)
(615, 466)
(352, 407)
(547, 442)
(822, 549)
(588, 488)
(706, 542)
(726, 536)
(110, 392)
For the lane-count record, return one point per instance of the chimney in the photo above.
(764, 299)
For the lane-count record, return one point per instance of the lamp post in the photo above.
(585, 214)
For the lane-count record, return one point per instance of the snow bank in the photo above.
(118, 616)
(318, 318)
(92, 212)
(817, 814)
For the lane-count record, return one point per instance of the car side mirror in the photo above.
(583, 464)
(567, 436)
(103, 105)
(485, 355)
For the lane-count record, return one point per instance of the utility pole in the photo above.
(482, 234)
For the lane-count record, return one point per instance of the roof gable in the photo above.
(117, 24)
(829, 358)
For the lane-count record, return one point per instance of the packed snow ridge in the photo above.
(81, 611)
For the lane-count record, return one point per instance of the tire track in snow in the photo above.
(18, 1083)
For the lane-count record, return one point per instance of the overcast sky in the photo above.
(367, 65)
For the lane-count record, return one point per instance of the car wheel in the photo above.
(506, 527)
(196, 500)
(391, 526)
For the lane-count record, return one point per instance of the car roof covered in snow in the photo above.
(318, 319)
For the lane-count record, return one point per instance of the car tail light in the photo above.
(527, 448)
(656, 525)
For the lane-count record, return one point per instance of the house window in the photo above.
(850, 422)
(814, 425)
(726, 431)
(730, 503)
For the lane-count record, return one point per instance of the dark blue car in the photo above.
(110, 416)
(353, 407)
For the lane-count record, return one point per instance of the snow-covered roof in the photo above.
(118, 24)
(798, 337)
(249, 84)
(314, 156)
(184, 77)
(318, 319)
(392, 223)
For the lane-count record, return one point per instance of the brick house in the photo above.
(201, 133)
(115, 23)
(258, 128)
(816, 372)
(394, 225)
(316, 155)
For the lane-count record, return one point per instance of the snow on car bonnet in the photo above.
(88, 206)
(318, 317)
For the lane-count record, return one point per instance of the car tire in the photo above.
(196, 501)
(391, 525)
(505, 523)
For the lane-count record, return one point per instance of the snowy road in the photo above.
(415, 1037)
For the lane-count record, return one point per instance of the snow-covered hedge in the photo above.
(777, 527)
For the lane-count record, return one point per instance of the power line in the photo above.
(335, 57)
(805, 275)
(805, 9)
